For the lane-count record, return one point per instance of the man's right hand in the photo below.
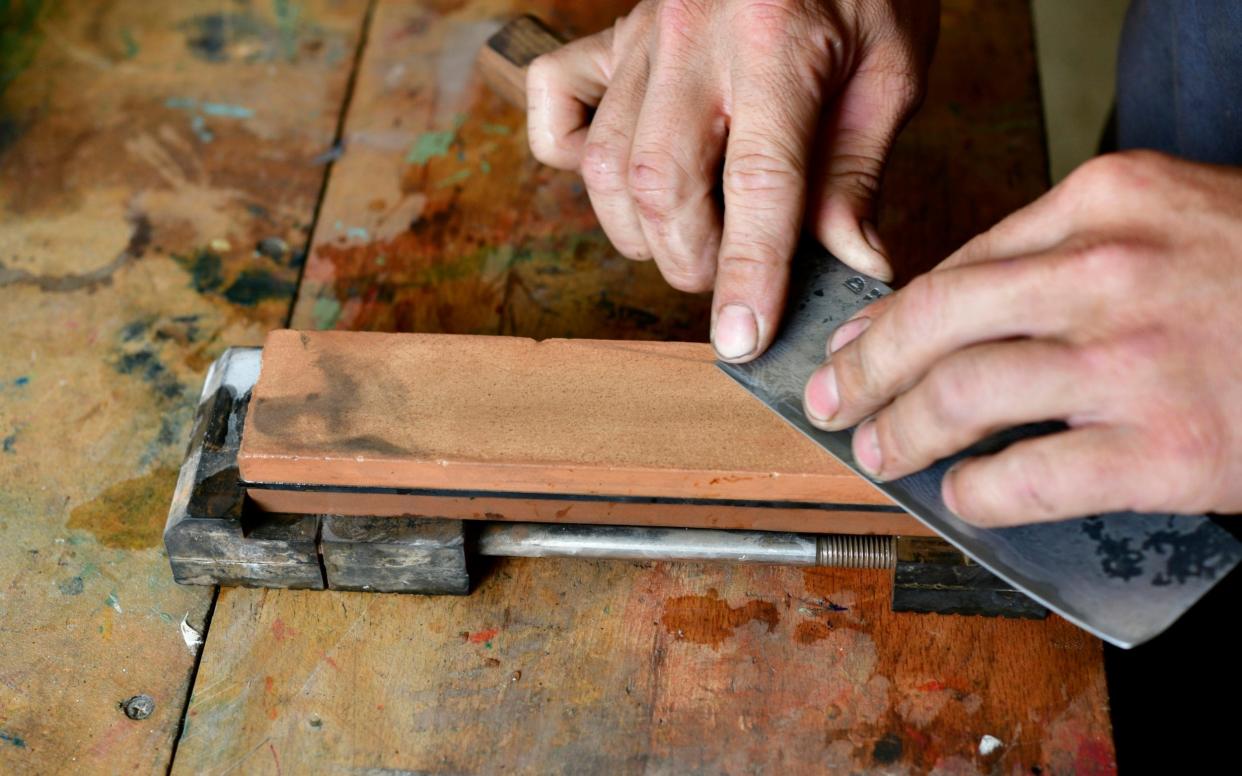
(791, 105)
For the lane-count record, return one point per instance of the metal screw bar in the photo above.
(845, 551)
(543, 540)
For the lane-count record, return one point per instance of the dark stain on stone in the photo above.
(71, 586)
(130, 514)
(708, 619)
(284, 418)
(369, 443)
(887, 750)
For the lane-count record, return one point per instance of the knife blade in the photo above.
(1124, 577)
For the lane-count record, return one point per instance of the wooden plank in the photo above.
(157, 176)
(512, 415)
(561, 666)
(575, 666)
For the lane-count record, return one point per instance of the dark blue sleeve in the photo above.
(1179, 79)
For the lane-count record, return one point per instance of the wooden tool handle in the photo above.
(504, 59)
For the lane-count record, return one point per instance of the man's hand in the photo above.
(691, 93)
(1113, 303)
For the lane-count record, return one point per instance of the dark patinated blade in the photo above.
(1123, 576)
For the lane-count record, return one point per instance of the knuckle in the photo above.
(1123, 170)
(680, 19)
(749, 172)
(689, 278)
(542, 71)
(603, 165)
(919, 307)
(656, 183)
(1026, 480)
(1190, 447)
(765, 25)
(900, 440)
(857, 174)
(1118, 269)
(952, 396)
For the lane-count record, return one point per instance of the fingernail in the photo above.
(867, 448)
(736, 333)
(847, 333)
(872, 236)
(948, 488)
(820, 400)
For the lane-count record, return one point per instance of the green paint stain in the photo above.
(496, 129)
(129, 43)
(485, 166)
(20, 37)
(114, 602)
(453, 179)
(381, 260)
(227, 111)
(327, 311)
(288, 17)
(430, 145)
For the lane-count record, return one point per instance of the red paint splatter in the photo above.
(269, 687)
(280, 631)
(331, 662)
(272, 748)
(933, 686)
(482, 636)
(1095, 757)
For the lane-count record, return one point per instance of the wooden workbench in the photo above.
(162, 168)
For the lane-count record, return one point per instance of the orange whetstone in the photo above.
(513, 415)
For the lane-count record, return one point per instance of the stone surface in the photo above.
(513, 415)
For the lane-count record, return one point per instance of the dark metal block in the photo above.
(212, 538)
(933, 577)
(395, 554)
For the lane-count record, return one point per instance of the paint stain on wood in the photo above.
(811, 631)
(708, 619)
(131, 513)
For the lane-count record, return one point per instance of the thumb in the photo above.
(868, 113)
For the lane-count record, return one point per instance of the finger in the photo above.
(1075, 473)
(605, 157)
(561, 89)
(673, 166)
(970, 395)
(869, 112)
(773, 116)
(853, 328)
(937, 314)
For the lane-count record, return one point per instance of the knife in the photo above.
(1123, 576)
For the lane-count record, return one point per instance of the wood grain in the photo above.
(512, 415)
(157, 174)
(582, 667)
